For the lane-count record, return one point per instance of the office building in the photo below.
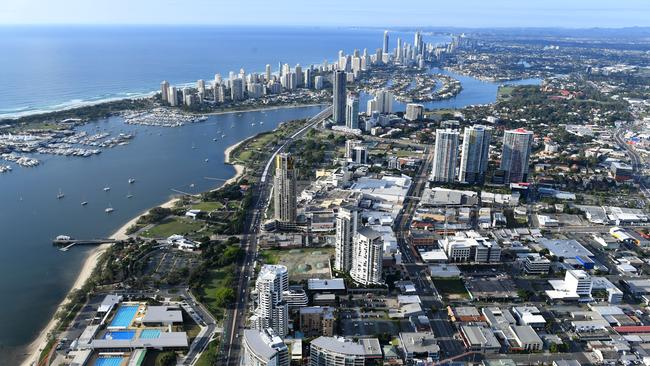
(367, 257)
(578, 281)
(471, 249)
(444, 159)
(347, 225)
(414, 112)
(516, 154)
(475, 154)
(272, 311)
(352, 111)
(335, 351)
(164, 91)
(263, 348)
(338, 92)
(284, 189)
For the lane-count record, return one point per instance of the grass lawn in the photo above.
(177, 225)
(452, 286)
(505, 92)
(217, 278)
(244, 156)
(209, 356)
(270, 257)
(208, 206)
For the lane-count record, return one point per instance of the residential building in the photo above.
(414, 112)
(336, 351)
(317, 321)
(352, 111)
(263, 348)
(444, 159)
(474, 155)
(338, 92)
(347, 225)
(272, 310)
(515, 157)
(367, 257)
(284, 189)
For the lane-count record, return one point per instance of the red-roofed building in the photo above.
(633, 329)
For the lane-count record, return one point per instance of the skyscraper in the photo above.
(299, 76)
(385, 46)
(338, 92)
(352, 111)
(267, 74)
(237, 89)
(164, 91)
(367, 257)
(284, 189)
(475, 154)
(272, 310)
(516, 154)
(444, 159)
(173, 96)
(347, 224)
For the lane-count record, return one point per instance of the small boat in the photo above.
(222, 136)
(252, 123)
(206, 160)
(214, 139)
(192, 185)
(106, 189)
(109, 209)
(261, 122)
(60, 195)
(129, 195)
(131, 180)
(84, 203)
(193, 146)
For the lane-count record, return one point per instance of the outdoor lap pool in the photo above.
(108, 361)
(124, 316)
(150, 334)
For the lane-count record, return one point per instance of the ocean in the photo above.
(55, 67)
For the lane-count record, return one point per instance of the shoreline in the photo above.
(33, 349)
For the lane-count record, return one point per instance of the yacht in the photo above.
(131, 180)
(206, 160)
(84, 203)
(60, 195)
(109, 209)
(129, 195)
(106, 189)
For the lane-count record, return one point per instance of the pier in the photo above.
(66, 244)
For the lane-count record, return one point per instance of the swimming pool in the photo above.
(108, 361)
(121, 334)
(150, 334)
(124, 315)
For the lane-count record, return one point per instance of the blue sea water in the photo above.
(52, 67)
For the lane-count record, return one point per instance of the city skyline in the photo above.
(468, 13)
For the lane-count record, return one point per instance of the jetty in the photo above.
(67, 243)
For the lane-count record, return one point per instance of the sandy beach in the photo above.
(34, 349)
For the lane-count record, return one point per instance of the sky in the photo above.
(379, 13)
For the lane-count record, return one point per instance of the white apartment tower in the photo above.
(347, 225)
(272, 310)
(367, 257)
(474, 155)
(352, 111)
(444, 159)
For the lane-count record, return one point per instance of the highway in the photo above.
(236, 316)
(637, 162)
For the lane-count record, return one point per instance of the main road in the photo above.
(236, 316)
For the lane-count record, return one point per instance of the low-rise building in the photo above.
(419, 347)
(317, 321)
(479, 339)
